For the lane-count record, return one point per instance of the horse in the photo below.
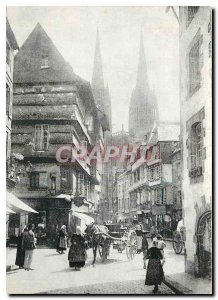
(96, 239)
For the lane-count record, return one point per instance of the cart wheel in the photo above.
(131, 245)
(177, 243)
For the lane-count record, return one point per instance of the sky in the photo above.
(73, 31)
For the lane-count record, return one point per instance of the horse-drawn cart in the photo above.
(178, 242)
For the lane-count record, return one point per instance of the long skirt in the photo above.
(155, 274)
(77, 256)
(77, 264)
(62, 243)
(20, 256)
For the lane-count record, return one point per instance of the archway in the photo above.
(204, 245)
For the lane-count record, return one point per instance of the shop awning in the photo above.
(88, 220)
(17, 205)
(64, 196)
(10, 211)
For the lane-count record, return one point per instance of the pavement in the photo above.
(52, 275)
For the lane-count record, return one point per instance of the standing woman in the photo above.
(62, 240)
(155, 274)
(77, 253)
(20, 256)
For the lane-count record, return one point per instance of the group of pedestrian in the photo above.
(156, 259)
(25, 247)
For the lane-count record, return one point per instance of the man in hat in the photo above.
(144, 246)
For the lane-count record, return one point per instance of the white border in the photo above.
(3, 4)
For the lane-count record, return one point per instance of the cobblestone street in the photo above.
(51, 274)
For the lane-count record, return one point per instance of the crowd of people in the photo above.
(153, 252)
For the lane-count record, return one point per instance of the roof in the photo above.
(165, 131)
(10, 36)
(28, 61)
(168, 132)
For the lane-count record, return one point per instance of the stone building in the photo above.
(103, 103)
(11, 46)
(123, 197)
(176, 185)
(54, 113)
(143, 110)
(164, 136)
(196, 132)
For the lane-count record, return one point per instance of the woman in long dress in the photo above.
(155, 274)
(20, 256)
(77, 253)
(62, 240)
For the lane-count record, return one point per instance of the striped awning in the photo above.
(17, 205)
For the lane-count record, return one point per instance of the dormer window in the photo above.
(44, 62)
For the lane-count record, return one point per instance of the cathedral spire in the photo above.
(97, 76)
(108, 105)
(142, 77)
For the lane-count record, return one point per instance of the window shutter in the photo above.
(43, 180)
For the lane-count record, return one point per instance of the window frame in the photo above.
(36, 185)
(43, 145)
(194, 56)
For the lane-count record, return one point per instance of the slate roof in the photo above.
(28, 61)
(11, 36)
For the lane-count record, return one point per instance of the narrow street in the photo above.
(51, 274)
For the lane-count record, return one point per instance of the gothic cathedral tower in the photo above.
(103, 101)
(143, 110)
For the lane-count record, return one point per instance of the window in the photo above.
(44, 62)
(80, 183)
(41, 137)
(194, 68)
(152, 174)
(155, 173)
(66, 178)
(38, 180)
(192, 10)
(8, 55)
(196, 146)
(8, 101)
